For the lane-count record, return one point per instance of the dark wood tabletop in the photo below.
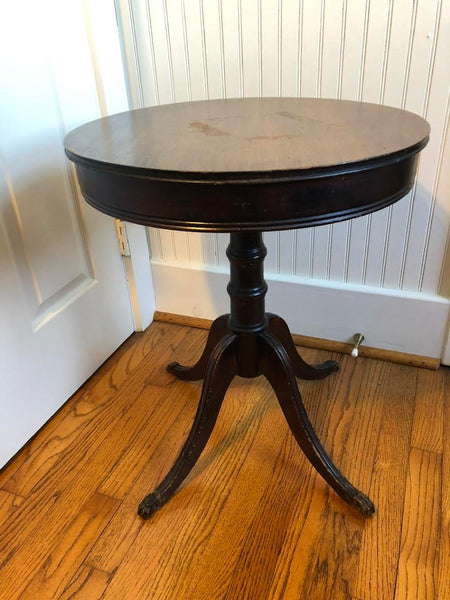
(247, 164)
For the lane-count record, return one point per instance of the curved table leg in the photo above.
(278, 327)
(275, 365)
(218, 329)
(222, 367)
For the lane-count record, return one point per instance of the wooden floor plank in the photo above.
(418, 562)
(65, 557)
(9, 503)
(294, 488)
(429, 412)
(87, 584)
(444, 542)
(253, 520)
(376, 571)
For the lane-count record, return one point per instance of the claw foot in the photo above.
(364, 504)
(149, 505)
(330, 366)
(173, 368)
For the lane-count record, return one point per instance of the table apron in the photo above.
(262, 206)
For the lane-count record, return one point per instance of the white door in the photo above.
(64, 302)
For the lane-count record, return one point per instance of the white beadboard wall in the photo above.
(394, 52)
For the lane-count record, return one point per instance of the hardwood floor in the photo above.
(253, 520)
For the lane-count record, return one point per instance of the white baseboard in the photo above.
(389, 319)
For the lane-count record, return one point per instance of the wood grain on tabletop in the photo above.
(247, 135)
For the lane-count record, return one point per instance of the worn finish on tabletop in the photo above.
(254, 520)
(223, 138)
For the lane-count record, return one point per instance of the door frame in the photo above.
(112, 92)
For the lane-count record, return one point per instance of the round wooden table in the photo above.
(245, 166)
